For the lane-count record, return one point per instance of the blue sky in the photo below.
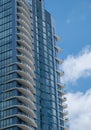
(73, 24)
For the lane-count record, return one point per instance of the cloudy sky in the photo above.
(73, 24)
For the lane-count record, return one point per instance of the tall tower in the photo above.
(30, 89)
(17, 102)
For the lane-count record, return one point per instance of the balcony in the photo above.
(26, 12)
(26, 60)
(57, 38)
(25, 5)
(65, 120)
(59, 60)
(58, 49)
(64, 99)
(26, 76)
(27, 120)
(27, 84)
(59, 72)
(27, 93)
(62, 92)
(65, 128)
(65, 113)
(60, 85)
(23, 127)
(24, 30)
(23, 17)
(25, 38)
(25, 44)
(27, 102)
(24, 24)
(64, 105)
(26, 68)
(24, 51)
(27, 111)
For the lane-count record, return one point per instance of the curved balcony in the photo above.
(65, 128)
(64, 105)
(62, 92)
(60, 105)
(24, 109)
(27, 120)
(59, 60)
(60, 85)
(27, 84)
(26, 68)
(58, 49)
(61, 73)
(64, 119)
(22, 16)
(24, 4)
(27, 111)
(24, 24)
(25, 38)
(23, 10)
(29, 116)
(24, 30)
(57, 38)
(26, 60)
(65, 113)
(26, 45)
(26, 101)
(26, 93)
(26, 76)
(27, 5)
(22, 50)
(64, 99)
(22, 126)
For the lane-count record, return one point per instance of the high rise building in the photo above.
(31, 94)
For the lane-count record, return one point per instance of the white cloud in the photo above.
(77, 66)
(79, 103)
(79, 106)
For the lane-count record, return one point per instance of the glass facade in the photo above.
(5, 60)
(17, 107)
(31, 95)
